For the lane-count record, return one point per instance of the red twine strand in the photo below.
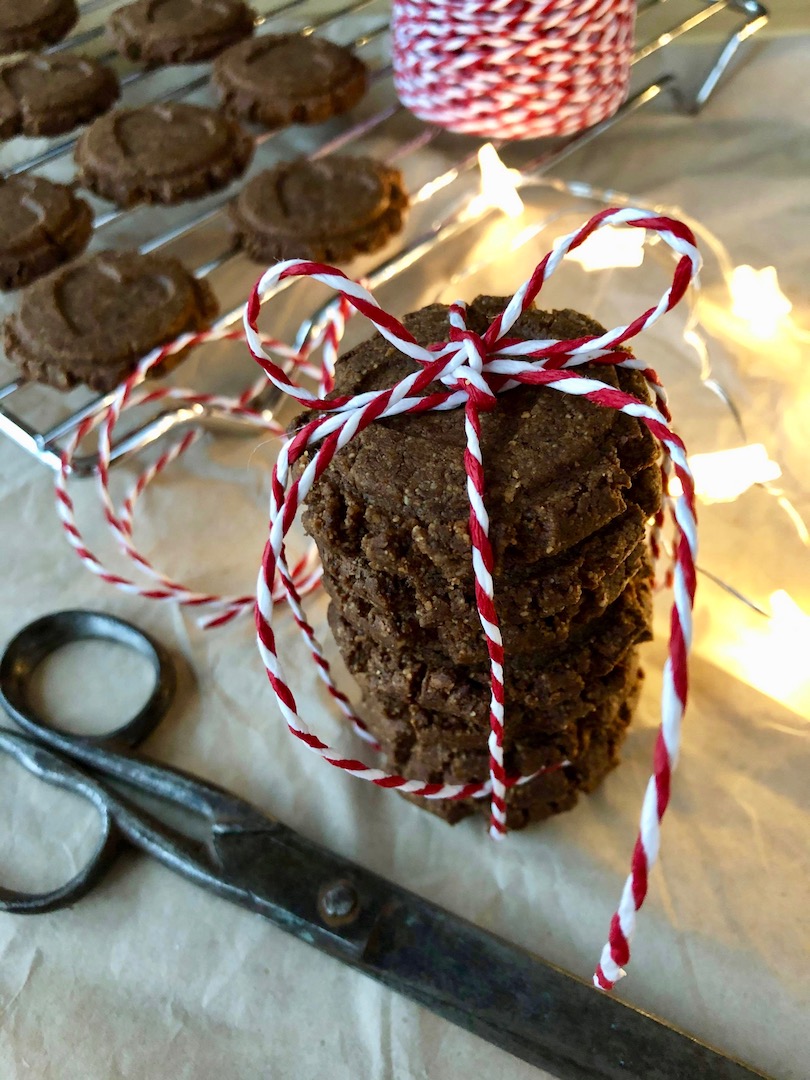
(218, 610)
(475, 370)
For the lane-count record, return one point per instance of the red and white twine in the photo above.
(475, 369)
(512, 69)
(132, 394)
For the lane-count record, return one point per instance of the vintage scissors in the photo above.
(496, 990)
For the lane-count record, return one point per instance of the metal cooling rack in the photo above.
(380, 126)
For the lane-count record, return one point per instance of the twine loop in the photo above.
(137, 392)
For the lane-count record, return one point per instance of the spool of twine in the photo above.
(512, 69)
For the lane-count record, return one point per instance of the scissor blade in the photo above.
(528, 1007)
(496, 990)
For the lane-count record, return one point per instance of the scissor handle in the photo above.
(53, 770)
(39, 639)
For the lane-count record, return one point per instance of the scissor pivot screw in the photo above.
(338, 903)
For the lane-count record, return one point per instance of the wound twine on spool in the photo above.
(475, 369)
(512, 69)
(132, 394)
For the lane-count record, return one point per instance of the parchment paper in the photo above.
(149, 977)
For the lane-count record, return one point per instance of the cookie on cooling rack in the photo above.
(34, 23)
(289, 79)
(92, 321)
(156, 32)
(328, 210)
(48, 95)
(42, 225)
(161, 153)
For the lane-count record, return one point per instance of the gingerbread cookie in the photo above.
(92, 321)
(156, 32)
(289, 79)
(48, 95)
(42, 225)
(328, 210)
(161, 153)
(33, 24)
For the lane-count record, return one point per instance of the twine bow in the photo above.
(475, 369)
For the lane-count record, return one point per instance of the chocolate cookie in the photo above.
(42, 225)
(548, 693)
(410, 588)
(48, 95)
(344, 525)
(34, 23)
(557, 467)
(92, 321)
(552, 792)
(328, 210)
(161, 153)
(525, 751)
(461, 641)
(288, 78)
(155, 32)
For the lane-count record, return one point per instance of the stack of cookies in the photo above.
(570, 488)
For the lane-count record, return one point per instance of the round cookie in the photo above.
(287, 78)
(531, 748)
(556, 790)
(48, 95)
(92, 321)
(557, 467)
(328, 210)
(42, 225)
(35, 23)
(155, 32)
(161, 153)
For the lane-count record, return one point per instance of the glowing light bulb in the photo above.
(724, 475)
(758, 300)
(767, 654)
(498, 185)
(610, 247)
(777, 663)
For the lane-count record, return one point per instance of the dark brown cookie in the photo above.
(524, 631)
(30, 24)
(427, 601)
(42, 225)
(328, 210)
(550, 692)
(342, 522)
(155, 32)
(48, 95)
(92, 321)
(289, 79)
(161, 153)
(557, 467)
(552, 792)
(525, 751)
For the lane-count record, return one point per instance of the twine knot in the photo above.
(470, 376)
